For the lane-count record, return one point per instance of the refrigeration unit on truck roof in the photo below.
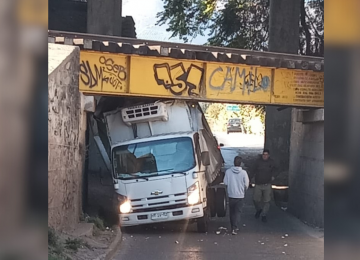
(145, 113)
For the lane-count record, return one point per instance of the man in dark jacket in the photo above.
(264, 171)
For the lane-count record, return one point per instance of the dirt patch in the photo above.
(63, 246)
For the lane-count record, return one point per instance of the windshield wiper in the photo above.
(140, 177)
(132, 177)
(144, 177)
(180, 172)
(169, 170)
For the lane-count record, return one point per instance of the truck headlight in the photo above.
(194, 194)
(125, 207)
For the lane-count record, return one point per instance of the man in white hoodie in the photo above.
(237, 182)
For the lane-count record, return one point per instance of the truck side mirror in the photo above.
(205, 158)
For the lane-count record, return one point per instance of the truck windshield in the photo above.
(153, 158)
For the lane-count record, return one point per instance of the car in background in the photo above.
(235, 125)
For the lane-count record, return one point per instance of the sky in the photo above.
(144, 14)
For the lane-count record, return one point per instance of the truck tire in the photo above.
(221, 203)
(211, 202)
(203, 223)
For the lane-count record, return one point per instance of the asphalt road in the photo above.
(283, 237)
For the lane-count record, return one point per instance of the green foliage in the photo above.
(187, 17)
(312, 27)
(53, 239)
(54, 257)
(73, 243)
(57, 257)
(98, 222)
(241, 24)
(55, 246)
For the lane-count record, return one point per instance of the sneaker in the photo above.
(234, 232)
(264, 219)
(257, 215)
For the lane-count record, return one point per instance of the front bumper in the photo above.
(134, 219)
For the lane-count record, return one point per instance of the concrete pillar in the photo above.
(306, 174)
(277, 136)
(104, 17)
(296, 137)
(283, 38)
(284, 26)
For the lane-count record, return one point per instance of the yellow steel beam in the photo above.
(104, 73)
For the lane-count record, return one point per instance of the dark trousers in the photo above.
(235, 212)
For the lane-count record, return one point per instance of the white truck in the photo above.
(166, 164)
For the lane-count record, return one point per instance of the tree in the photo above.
(241, 23)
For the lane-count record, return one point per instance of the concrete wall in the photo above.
(72, 16)
(104, 17)
(68, 15)
(66, 134)
(306, 173)
(283, 38)
(128, 27)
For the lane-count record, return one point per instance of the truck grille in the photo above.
(160, 208)
(159, 203)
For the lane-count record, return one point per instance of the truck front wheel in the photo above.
(203, 223)
(221, 203)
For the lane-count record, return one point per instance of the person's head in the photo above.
(266, 154)
(237, 161)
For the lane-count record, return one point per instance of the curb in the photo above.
(114, 246)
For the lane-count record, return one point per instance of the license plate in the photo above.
(162, 215)
(236, 125)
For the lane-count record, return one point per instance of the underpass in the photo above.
(225, 79)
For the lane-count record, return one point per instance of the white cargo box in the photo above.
(167, 117)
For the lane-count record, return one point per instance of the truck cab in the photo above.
(161, 178)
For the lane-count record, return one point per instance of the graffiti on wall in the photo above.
(104, 71)
(248, 80)
(178, 80)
